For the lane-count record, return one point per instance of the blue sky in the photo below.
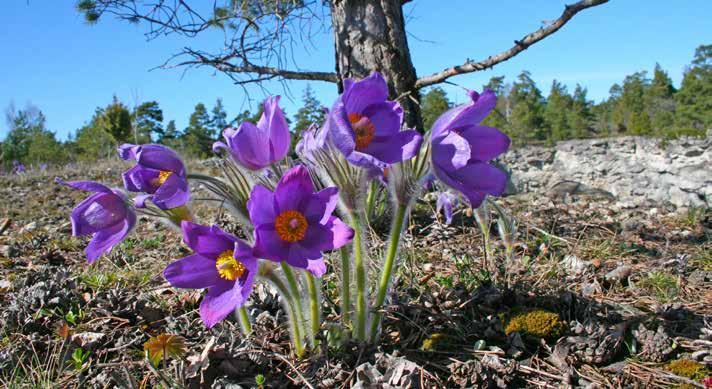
(67, 68)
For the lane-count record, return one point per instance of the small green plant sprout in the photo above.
(79, 358)
(164, 347)
(70, 317)
(507, 229)
(260, 381)
(483, 222)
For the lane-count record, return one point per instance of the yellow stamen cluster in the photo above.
(228, 267)
(291, 226)
(162, 177)
(364, 130)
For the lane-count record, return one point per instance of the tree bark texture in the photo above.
(370, 35)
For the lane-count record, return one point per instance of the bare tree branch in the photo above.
(519, 46)
(264, 73)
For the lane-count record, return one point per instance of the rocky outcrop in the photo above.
(631, 170)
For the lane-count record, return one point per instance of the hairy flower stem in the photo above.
(294, 289)
(291, 303)
(314, 305)
(345, 287)
(360, 269)
(245, 324)
(393, 243)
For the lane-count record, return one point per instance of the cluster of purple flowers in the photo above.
(291, 222)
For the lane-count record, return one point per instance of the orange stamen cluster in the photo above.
(291, 226)
(162, 177)
(364, 130)
(228, 267)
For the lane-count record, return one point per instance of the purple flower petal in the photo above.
(260, 206)
(360, 94)
(341, 233)
(273, 123)
(173, 193)
(157, 157)
(385, 116)
(446, 203)
(293, 189)
(89, 186)
(401, 146)
(99, 211)
(467, 114)
(221, 300)
(141, 179)
(208, 241)
(451, 151)
(192, 272)
(486, 143)
(475, 181)
(105, 240)
(249, 146)
(268, 245)
(321, 205)
(140, 200)
(317, 267)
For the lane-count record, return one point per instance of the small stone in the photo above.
(30, 226)
(619, 274)
(7, 251)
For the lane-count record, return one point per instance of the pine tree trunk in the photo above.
(370, 35)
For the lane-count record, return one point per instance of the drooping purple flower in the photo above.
(295, 224)
(221, 263)
(446, 202)
(365, 126)
(258, 146)
(462, 149)
(105, 214)
(19, 167)
(159, 172)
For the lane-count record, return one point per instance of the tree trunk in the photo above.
(370, 35)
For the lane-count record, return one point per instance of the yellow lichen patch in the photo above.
(539, 323)
(432, 341)
(687, 368)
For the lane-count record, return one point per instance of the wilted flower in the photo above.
(258, 146)
(295, 224)
(105, 214)
(165, 346)
(446, 202)
(222, 263)
(365, 126)
(462, 149)
(159, 172)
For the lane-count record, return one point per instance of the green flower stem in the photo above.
(393, 243)
(245, 324)
(345, 287)
(314, 304)
(296, 331)
(361, 282)
(294, 289)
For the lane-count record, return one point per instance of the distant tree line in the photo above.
(639, 106)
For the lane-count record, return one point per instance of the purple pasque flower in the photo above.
(159, 172)
(295, 224)
(221, 263)
(365, 126)
(105, 214)
(258, 146)
(462, 149)
(19, 167)
(446, 202)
